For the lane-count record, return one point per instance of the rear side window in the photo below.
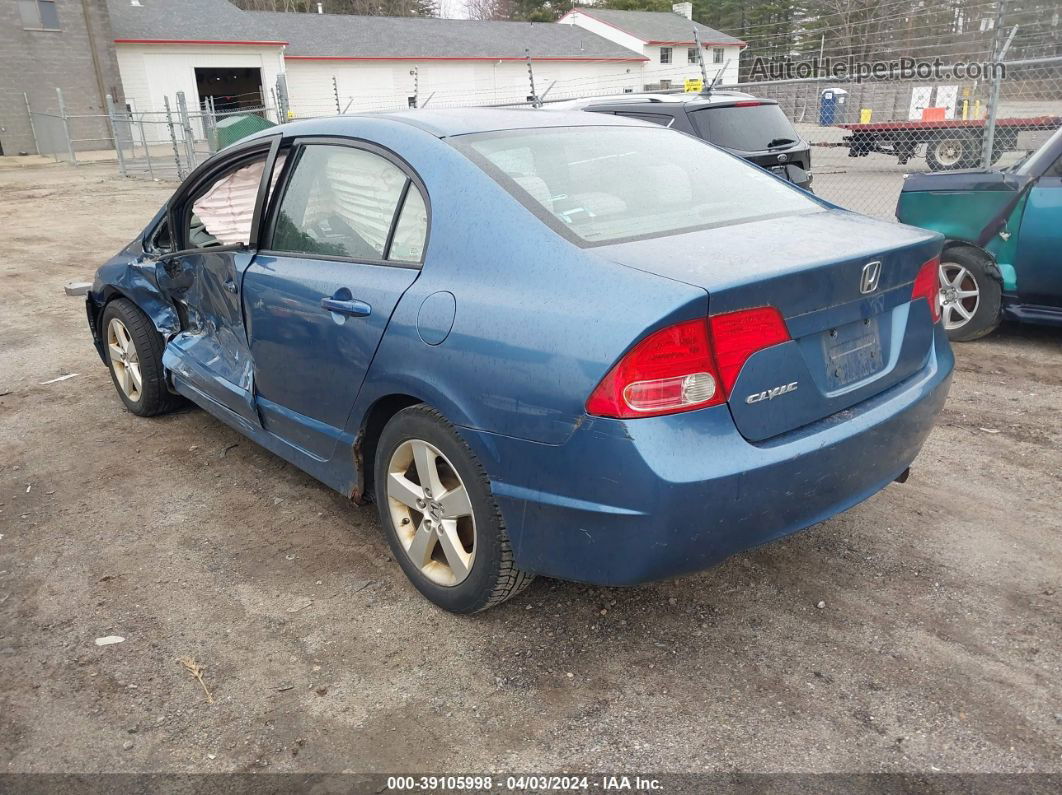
(744, 127)
(339, 202)
(656, 118)
(606, 184)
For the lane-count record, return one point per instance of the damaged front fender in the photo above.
(130, 274)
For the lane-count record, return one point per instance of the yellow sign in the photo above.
(694, 86)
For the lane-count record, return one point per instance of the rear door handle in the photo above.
(352, 307)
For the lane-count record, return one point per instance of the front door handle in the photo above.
(351, 307)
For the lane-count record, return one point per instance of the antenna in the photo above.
(718, 76)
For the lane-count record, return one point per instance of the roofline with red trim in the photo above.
(737, 43)
(521, 59)
(204, 41)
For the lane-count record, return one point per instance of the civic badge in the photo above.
(868, 282)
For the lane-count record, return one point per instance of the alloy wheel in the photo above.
(431, 512)
(125, 361)
(959, 295)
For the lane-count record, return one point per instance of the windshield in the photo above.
(746, 128)
(605, 184)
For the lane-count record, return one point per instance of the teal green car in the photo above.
(1003, 256)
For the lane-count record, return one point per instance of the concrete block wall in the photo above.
(36, 62)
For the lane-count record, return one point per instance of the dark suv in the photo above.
(755, 129)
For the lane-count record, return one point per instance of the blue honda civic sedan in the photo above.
(542, 343)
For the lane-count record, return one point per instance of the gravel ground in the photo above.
(937, 648)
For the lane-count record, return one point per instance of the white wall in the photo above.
(680, 69)
(653, 71)
(603, 29)
(387, 85)
(151, 72)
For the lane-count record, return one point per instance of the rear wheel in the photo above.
(441, 521)
(134, 356)
(970, 296)
(951, 152)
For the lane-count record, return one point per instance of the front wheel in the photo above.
(134, 357)
(439, 515)
(970, 296)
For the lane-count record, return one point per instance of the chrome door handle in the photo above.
(353, 308)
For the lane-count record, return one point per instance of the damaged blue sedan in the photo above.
(542, 343)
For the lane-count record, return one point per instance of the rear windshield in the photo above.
(747, 128)
(606, 184)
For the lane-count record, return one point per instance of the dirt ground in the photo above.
(939, 646)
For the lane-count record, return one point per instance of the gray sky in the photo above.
(452, 9)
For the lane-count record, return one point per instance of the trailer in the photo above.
(949, 143)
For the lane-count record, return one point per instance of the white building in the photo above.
(214, 53)
(666, 41)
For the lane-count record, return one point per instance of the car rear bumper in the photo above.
(626, 502)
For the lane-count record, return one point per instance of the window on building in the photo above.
(691, 54)
(665, 55)
(717, 54)
(38, 14)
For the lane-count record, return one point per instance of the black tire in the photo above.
(493, 577)
(154, 396)
(953, 151)
(985, 312)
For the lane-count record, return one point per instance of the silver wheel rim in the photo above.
(431, 512)
(125, 361)
(959, 296)
(949, 152)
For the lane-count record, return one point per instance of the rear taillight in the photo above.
(670, 370)
(927, 285)
(687, 366)
(738, 335)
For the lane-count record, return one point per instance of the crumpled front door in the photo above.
(211, 354)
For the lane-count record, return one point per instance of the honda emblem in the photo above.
(868, 283)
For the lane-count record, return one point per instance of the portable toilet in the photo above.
(832, 106)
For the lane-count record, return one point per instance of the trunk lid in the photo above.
(847, 345)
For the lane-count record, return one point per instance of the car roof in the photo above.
(444, 123)
(654, 100)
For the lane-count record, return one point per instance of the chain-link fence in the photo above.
(169, 143)
(866, 135)
(159, 144)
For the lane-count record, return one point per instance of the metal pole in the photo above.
(66, 125)
(282, 97)
(33, 130)
(416, 86)
(186, 126)
(700, 59)
(173, 138)
(335, 93)
(147, 149)
(535, 103)
(993, 104)
(990, 123)
(114, 132)
(276, 106)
